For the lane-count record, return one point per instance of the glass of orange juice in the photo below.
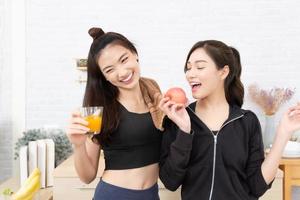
(93, 115)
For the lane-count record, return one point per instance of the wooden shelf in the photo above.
(81, 68)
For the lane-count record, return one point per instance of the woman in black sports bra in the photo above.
(130, 135)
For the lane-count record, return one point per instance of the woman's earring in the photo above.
(137, 60)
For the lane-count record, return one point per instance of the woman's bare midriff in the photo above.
(137, 179)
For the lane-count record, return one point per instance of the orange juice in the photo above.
(95, 122)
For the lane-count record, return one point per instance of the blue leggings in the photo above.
(106, 191)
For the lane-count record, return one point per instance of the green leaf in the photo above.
(7, 192)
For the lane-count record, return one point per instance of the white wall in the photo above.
(12, 81)
(266, 33)
(18, 71)
(6, 154)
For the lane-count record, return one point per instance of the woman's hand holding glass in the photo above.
(77, 129)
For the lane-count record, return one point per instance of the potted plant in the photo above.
(269, 101)
(63, 148)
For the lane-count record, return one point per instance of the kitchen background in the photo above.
(40, 40)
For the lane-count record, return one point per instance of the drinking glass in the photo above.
(93, 115)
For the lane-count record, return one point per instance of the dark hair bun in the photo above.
(95, 32)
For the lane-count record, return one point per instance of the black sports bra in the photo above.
(135, 143)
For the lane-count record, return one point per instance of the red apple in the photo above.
(177, 95)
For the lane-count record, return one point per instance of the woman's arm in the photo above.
(175, 155)
(176, 144)
(261, 171)
(86, 153)
(289, 123)
(86, 159)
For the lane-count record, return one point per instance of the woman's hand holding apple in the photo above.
(173, 105)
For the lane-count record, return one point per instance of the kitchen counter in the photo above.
(67, 184)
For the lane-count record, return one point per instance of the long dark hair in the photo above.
(223, 55)
(99, 91)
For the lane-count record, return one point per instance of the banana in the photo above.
(30, 197)
(26, 192)
(31, 186)
(35, 172)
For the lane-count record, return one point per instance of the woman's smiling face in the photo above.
(119, 66)
(203, 75)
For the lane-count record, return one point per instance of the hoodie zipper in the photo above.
(214, 165)
(215, 150)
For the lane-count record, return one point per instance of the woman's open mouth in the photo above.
(128, 79)
(195, 86)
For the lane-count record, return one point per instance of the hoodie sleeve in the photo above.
(175, 155)
(255, 179)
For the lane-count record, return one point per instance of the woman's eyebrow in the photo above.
(197, 61)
